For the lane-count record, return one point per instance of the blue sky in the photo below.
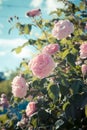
(8, 8)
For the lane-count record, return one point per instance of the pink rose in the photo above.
(62, 29)
(4, 101)
(33, 13)
(42, 65)
(19, 87)
(31, 108)
(51, 49)
(86, 27)
(3, 95)
(84, 69)
(83, 50)
(22, 123)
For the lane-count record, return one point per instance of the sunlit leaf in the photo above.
(65, 53)
(65, 105)
(86, 110)
(59, 123)
(24, 28)
(3, 117)
(18, 49)
(53, 92)
(27, 29)
(82, 6)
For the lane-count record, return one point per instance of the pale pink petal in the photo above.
(42, 65)
(62, 29)
(33, 13)
(84, 69)
(51, 49)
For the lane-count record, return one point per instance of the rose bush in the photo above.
(56, 77)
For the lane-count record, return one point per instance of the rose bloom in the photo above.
(33, 13)
(19, 87)
(62, 29)
(3, 95)
(83, 50)
(42, 65)
(84, 69)
(31, 108)
(22, 123)
(86, 26)
(51, 49)
(4, 101)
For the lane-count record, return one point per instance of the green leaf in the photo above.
(53, 12)
(59, 123)
(34, 120)
(53, 92)
(18, 25)
(74, 51)
(9, 123)
(71, 59)
(76, 86)
(27, 28)
(24, 64)
(18, 49)
(65, 105)
(78, 32)
(59, 12)
(3, 117)
(65, 53)
(82, 6)
(24, 28)
(64, 90)
(86, 110)
(32, 42)
(63, 41)
(71, 112)
(20, 28)
(44, 117)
